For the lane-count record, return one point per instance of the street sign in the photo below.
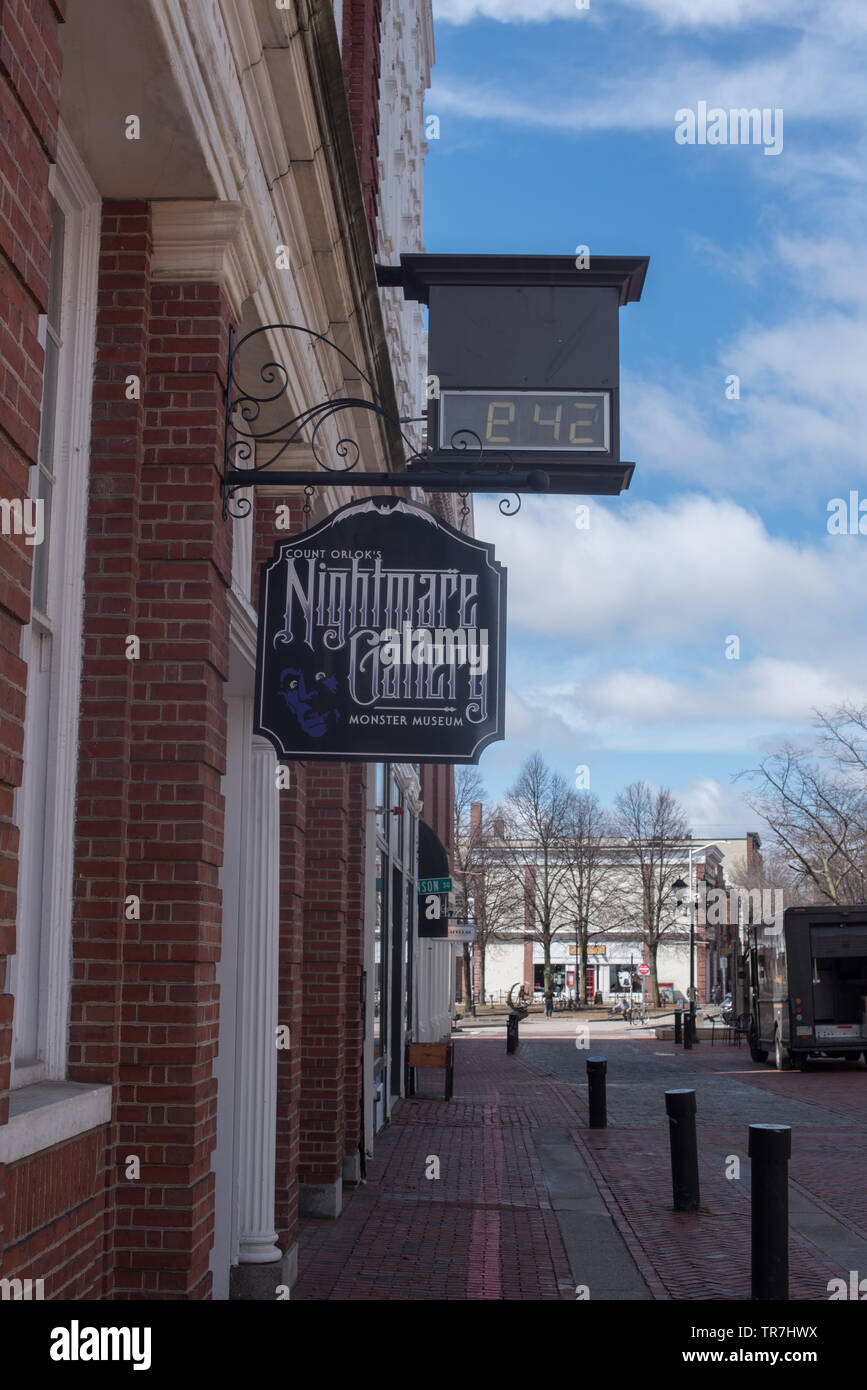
(434, 885)
(643, 969)
(461, 931)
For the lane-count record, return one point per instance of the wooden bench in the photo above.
(430, 1055)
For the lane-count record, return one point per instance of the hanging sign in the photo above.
(381, 636)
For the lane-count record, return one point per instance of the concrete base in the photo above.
(321, 1199)
(263, 1283)
(352, 1168)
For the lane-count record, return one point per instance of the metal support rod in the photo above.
(531, 481)
(770, 1148)
(680, 1108)
(597, 1103)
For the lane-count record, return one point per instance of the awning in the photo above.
(433, 862)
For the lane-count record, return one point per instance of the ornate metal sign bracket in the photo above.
(249, 432)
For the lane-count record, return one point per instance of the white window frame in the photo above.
(54, 804)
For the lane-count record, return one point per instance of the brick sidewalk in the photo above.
(486, 1229)
(483, 1230)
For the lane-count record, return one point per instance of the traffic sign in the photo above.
(643, 969)
(434, 885)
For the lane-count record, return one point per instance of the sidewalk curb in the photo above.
(621, 1222)
(627, 1234)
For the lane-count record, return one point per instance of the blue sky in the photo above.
(557, 128)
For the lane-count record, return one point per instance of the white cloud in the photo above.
(618, 634)
(714, 810)
(669, 15)
(694, 569)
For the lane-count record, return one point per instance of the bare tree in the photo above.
(771, 873)
(591, 887)
(537, 812)
(469, 791)
(818, 814)
(652, 827)
(492, 901)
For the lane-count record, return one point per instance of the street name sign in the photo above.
(434, 885)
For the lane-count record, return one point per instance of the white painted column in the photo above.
(257, 1009)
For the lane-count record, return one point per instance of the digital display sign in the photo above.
(553, 421)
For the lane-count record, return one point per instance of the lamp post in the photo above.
(680, 885)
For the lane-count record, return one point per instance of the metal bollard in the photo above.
(680, 1108)
(512, 1032)
(770, 1148)
(678, 1026)
(596, 1068)
(687, 1029)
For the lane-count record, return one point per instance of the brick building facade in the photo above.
(167, 909)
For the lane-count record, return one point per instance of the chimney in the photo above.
(754, 858)
(499, 828)
(475, 816)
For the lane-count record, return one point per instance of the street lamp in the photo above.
(680, 885)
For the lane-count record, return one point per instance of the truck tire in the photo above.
(782, 1059)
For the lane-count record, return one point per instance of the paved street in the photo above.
(530, 1203)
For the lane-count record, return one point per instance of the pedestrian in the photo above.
(717, 994)
(549, 1002)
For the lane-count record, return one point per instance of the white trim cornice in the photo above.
(199, 240)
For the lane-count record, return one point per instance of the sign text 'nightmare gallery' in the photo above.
(381, 636)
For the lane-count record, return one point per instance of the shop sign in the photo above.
(381, 637)
(461, 931)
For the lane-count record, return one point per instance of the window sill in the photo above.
(50, 1113)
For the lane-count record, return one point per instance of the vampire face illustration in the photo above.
(312, 697)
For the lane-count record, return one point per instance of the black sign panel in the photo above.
(381, 636)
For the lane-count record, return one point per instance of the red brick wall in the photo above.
(56, 1216)
(438, 801)
(361, 60)
(353, 1025)
(293, 817)
(323, 974)
(29, 92)
(167, 1111)
(102, 849)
